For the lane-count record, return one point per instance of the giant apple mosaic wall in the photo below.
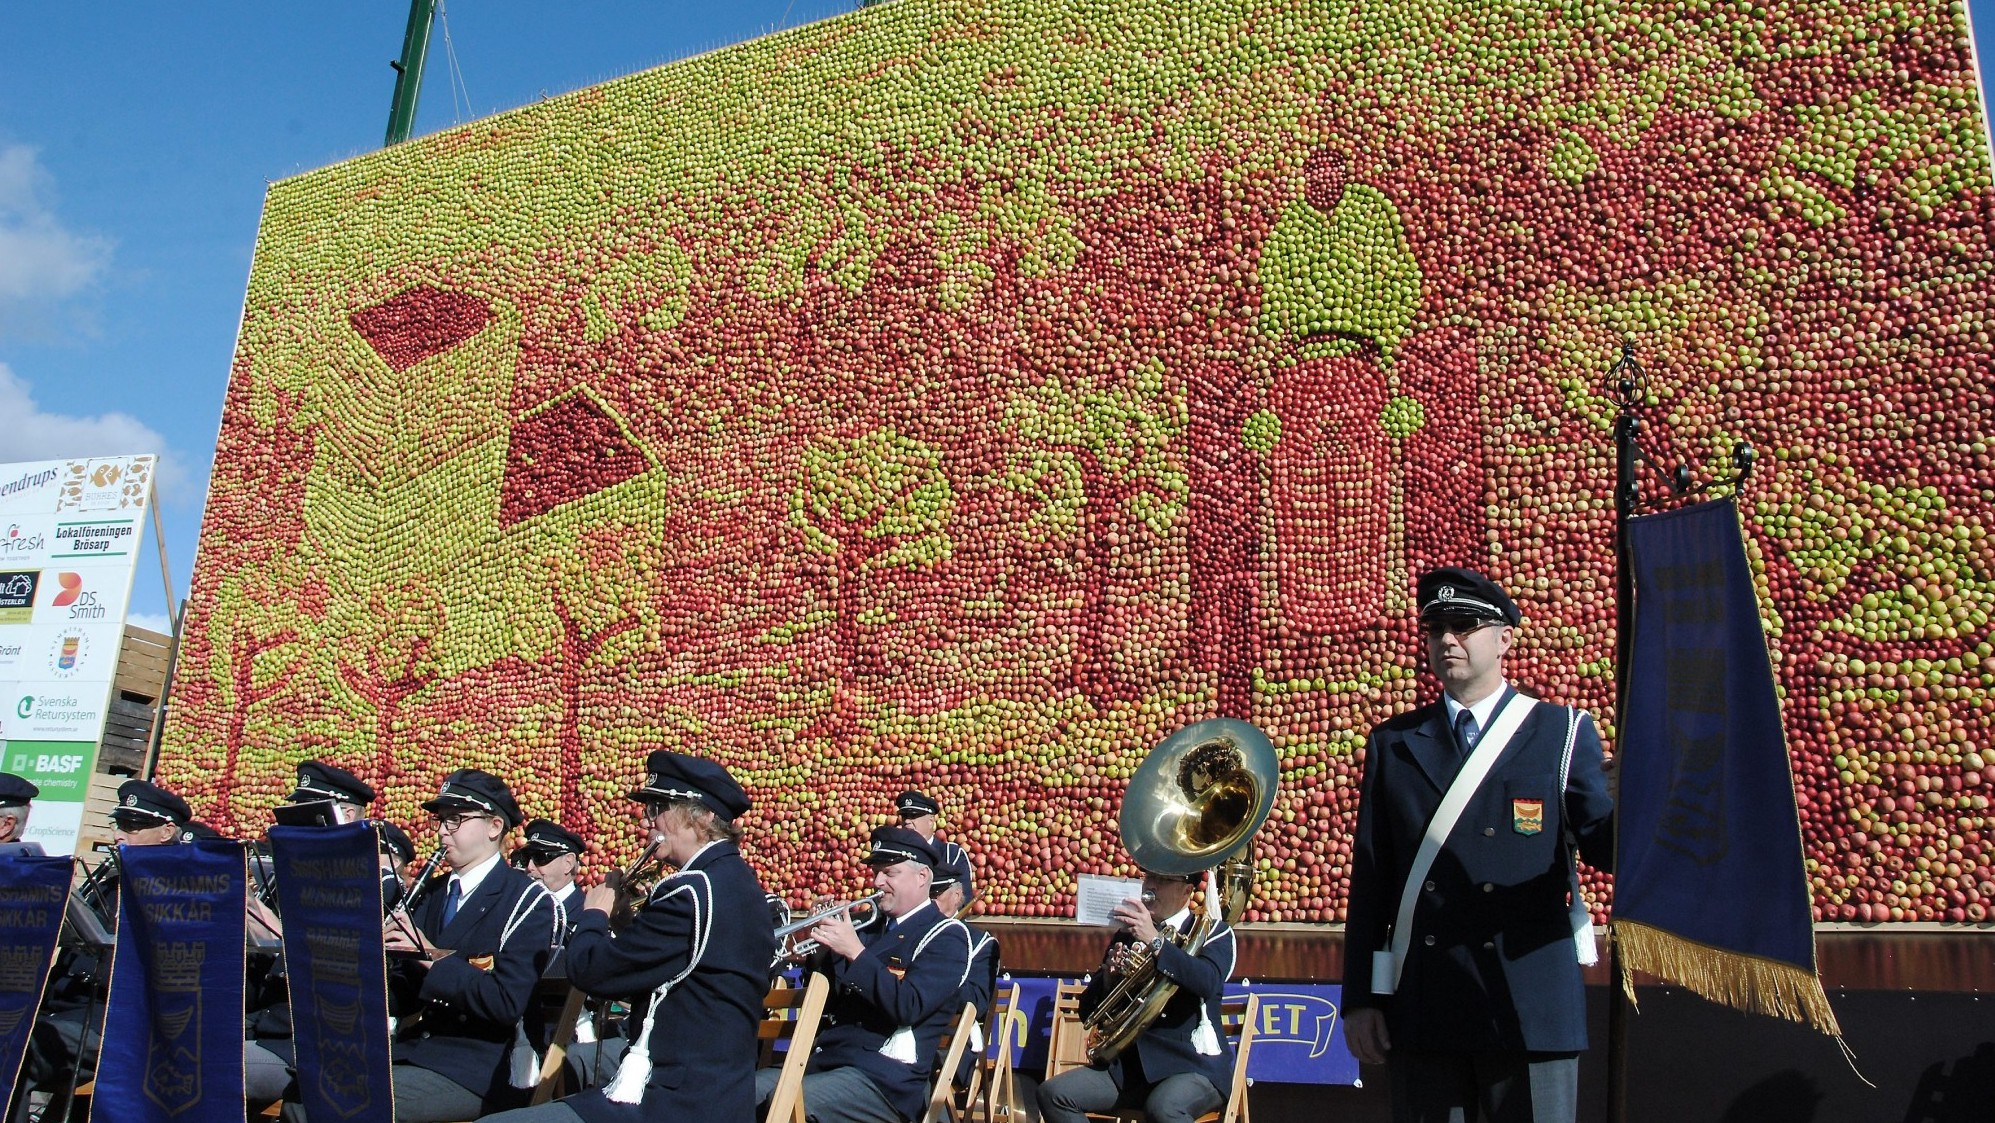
(965, 394)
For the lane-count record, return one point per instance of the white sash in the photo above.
(1386, 965)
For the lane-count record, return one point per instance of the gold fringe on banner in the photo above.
(1743, 982)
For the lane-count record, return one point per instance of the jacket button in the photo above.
(1429, 941)
(1429, 887)
(1489, 945)
(1488, 831)
(1488, 887)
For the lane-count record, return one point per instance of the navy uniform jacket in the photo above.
(469, 1011)
(1166, 1048)
(1491, 963)
(570, 900)
(707, 927)
(978, 987)
(910, 976)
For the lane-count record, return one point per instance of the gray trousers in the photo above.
(840, 1095)
(1068, 1097)
(265, 1075)
(1500, 1087)
(555, 1112)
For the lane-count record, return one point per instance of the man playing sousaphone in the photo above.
(1177, 1066)
(694, 959)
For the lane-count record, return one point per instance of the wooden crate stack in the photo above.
(125, 751)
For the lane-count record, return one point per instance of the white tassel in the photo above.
(526, 1062)
(635, 1071)
(1205, 1039)
(899, 1047)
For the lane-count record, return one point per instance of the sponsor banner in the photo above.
(55, 823)
(17, 595)
(56, 767)
(33, 892)
(79, 539)
(25, 540)
(105, 483)
(81, 594)
(49, 710)
(175, 1007)
(1300, 1038)
(329, 891)
(31, 487)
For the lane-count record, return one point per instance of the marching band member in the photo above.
(920, 814)
(1175, 1068)
(551, 856)
(63, 1047)
(895, 990)
(694, 962)
(17, 797)
(479, 947)
(958, 891)
(397, 851)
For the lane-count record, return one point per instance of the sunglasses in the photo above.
(1460, 626)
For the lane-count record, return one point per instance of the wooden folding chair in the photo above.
(993, 1092)
(1067, 1047)
(553, 1066)
(942, 1084)
(793, 1016)
(1239, 1019)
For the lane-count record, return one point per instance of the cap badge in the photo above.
(131, 801)
(1445, 592)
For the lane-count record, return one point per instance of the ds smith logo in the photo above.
(82, 603)
(19, 541)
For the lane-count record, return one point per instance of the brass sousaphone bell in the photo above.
(1193, 805)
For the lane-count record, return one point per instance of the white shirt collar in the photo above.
(468, 880)
(1177, 920)
(1484, 710)
(711, 843)
(904, 917)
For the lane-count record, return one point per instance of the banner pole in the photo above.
(1626, 380)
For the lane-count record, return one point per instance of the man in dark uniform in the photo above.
(397, 851)
(551, 856)
(694, 962)
(469, 965)
(955, 890)
(921, 815)
(894, 990)
(16, 797)
(1487, 1011)
(63, 1046)
(1177, 1068)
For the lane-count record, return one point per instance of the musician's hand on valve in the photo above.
(836, 935)
(1135, 916)
(602, 899)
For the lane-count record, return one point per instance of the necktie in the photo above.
(1466, 731)
(456, 890)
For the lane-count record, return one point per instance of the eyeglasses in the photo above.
(1459, 626)
(451, 824)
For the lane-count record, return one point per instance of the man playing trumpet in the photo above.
(895, 990)
(1176, 1067)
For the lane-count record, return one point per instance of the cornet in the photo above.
(804, 948)
(628, 881)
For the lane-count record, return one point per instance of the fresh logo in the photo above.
(19, 541)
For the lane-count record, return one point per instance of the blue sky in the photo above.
(135, 144)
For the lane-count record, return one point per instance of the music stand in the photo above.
(316, 813)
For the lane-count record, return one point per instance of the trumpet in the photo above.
(650, 861)
(803, 949)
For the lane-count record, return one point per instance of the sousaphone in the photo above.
(1192, 807)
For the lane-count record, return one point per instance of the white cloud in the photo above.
(40, 259)
(32, 433)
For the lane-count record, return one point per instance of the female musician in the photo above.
(695, 960)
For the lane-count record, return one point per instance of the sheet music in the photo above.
(1095, 896)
